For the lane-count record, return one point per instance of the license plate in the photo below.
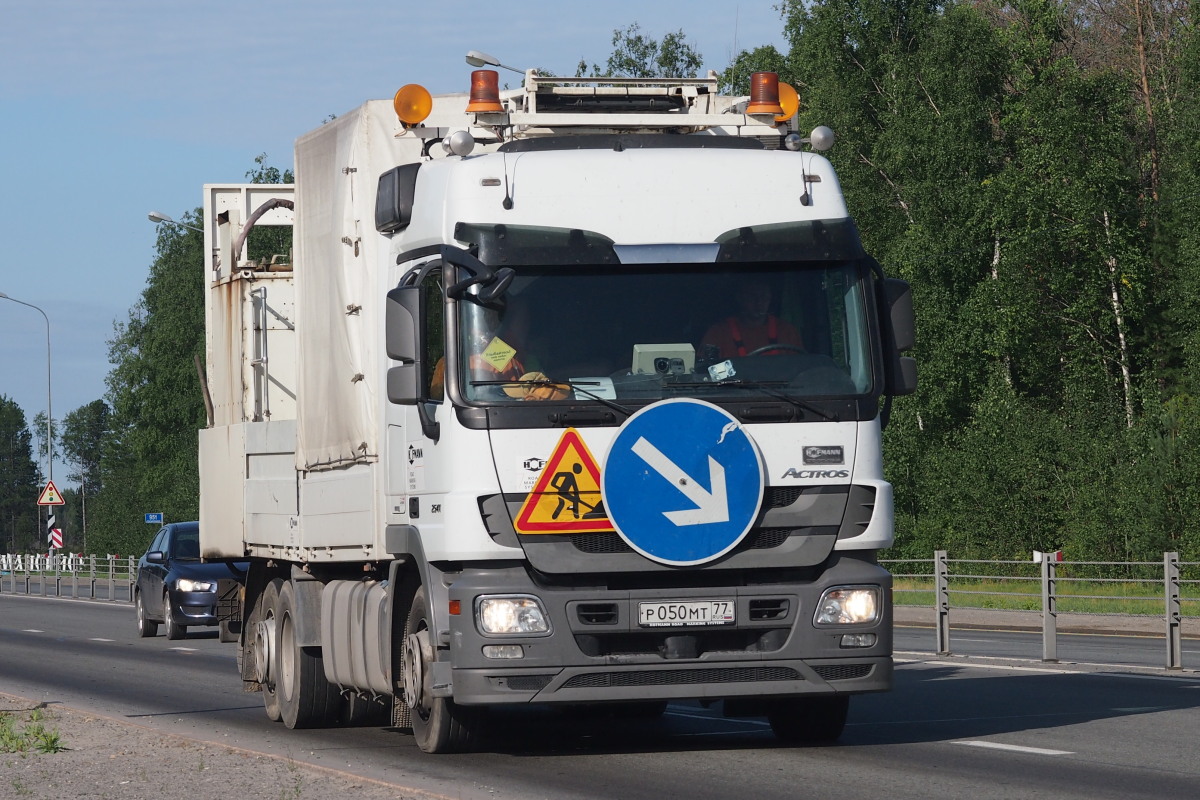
(680, 613)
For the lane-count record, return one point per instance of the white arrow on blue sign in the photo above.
(682, 482)
(154, 518)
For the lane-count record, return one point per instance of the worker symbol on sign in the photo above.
(566, 497)
(567, 484)
(568, 490)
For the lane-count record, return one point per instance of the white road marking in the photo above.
(32, 630)
(98, 639)
(1109, 672)
(1005, 667)
(1014, 748)
(1140, 709)
(185, 649)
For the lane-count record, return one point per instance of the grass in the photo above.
(31, 736)
(1024, 594)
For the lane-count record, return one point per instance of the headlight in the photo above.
(848, 605)
(189, 585)
(520, 614)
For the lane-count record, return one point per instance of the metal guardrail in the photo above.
(948, 577)
(73, 576)
(112, 578)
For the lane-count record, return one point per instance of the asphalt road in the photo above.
(1137, 651)
(958, 726)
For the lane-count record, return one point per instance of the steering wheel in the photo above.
(766, 348)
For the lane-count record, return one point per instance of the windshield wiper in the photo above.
(573, 385)
(765, 389)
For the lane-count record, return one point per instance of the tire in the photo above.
(174, 630)
(438, 724)
(306, 697)
(359, 711)
(146, 627)
(810, 720)
(265, 611)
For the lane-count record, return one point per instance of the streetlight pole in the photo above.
(49, 411)
(158, 217)
(49, 407)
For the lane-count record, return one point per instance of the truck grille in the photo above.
(843, 672)
(681, 677)
(604, 543)
(527, 683)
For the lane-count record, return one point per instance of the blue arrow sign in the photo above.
(154, 518)
(682, 482)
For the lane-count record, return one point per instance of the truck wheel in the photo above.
(438, 724)
(809, 720)
(174, 631)
(306, 697)
(145, 627)
(266, 662)
(361, 711)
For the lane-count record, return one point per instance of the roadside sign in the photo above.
(682, 482)
(56, 539)
(566, 497)
(154, 518)
(50, 496)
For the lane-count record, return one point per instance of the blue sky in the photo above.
(114, 108)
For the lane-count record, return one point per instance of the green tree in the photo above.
(638, 56)
(149, 463)
(735, 79)
(19, 484)
(83, 436)
(40, 430)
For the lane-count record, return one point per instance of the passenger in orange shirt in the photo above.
(752, 327)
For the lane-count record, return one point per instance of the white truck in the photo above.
(568, 394)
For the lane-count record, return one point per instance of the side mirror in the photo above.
(402, 340)
(900, 303)
(156, 557)
(902, 375)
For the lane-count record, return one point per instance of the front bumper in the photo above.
(193, 608)
(596, 651)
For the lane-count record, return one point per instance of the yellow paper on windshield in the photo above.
(498, 353)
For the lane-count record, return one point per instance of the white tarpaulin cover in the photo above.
(337, 288)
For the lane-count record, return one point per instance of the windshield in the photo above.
(712, 331)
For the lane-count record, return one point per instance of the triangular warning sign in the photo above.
(566, 498)
(50, 496)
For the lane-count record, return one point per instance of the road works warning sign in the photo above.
(566, 497)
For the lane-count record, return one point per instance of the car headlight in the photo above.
(848, 605)
(511, 615)
(189, 585)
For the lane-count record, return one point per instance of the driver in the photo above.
(752, 326)
(493, 360)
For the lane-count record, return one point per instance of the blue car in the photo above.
(178, 590)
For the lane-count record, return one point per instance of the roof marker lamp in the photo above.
(485, 92)
(764, 94)
(413, 104)
(821, 139)
(789, 101)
